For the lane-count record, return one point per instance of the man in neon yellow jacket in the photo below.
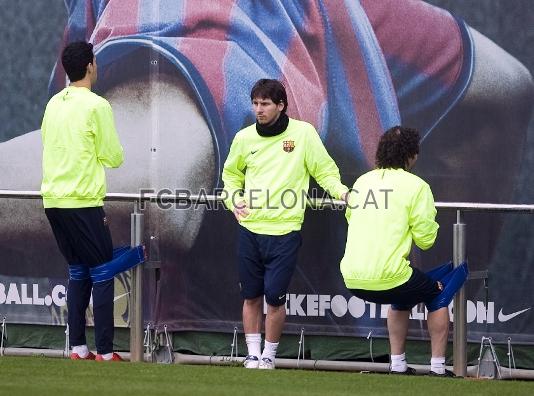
(79, 140)
(266, 178)
(388, 209)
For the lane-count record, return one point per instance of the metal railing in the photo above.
(136, 239)
(459, 256)
(459, 340)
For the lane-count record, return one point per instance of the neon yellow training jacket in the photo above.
(79, 140)
(387, 209)
(274, 173)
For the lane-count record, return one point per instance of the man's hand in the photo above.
(345, 196)
(241, 210)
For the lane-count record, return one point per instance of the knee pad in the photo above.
(439, 272)
(78, 272)
(124, 258)
(452, 280)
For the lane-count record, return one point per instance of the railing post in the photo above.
(460, 303)
(136, 295)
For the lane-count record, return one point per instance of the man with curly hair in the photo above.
(388, 208)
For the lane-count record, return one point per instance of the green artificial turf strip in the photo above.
(49, 376)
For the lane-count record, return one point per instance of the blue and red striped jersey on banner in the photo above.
(351, 68)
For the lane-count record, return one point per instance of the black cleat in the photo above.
(409, 371)
(446, 374)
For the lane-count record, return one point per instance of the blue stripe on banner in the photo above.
(271, 19)
(98, 8)
(256, 50)
(297, 10)
(77, 30)
(342, 130)
(381, 85)
(163, 18)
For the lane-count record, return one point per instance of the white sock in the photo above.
(81, 350)
(437, 365)
(254, 344)
(269, 351)
(107, 356)
(398, 363)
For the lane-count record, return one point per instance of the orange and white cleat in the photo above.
(75, 356)
(114, 358)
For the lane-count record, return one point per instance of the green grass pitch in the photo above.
(49, 376)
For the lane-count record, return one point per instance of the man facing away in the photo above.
(266, 177)
(79, 140)
(388, 208)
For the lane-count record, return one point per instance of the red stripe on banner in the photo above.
(60, 77)
(365, 108)
(207, 19)
(118, 19)
(418, 34)
(306, 64)
(205, 29)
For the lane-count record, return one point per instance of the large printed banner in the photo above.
(178, 74)
(30, 300)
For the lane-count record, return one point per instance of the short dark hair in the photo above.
(270, 89)
(75, 58)
(396, 147)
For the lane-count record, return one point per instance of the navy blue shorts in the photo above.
(418, 289)
(266, 264)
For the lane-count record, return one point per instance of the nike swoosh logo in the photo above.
(122, 295)
(253, 152)
(504, 318)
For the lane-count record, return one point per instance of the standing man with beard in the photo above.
(266, 178)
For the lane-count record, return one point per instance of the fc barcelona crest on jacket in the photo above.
(289, 146)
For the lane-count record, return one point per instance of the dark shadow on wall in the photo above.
(32, 33)
(509, 24)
